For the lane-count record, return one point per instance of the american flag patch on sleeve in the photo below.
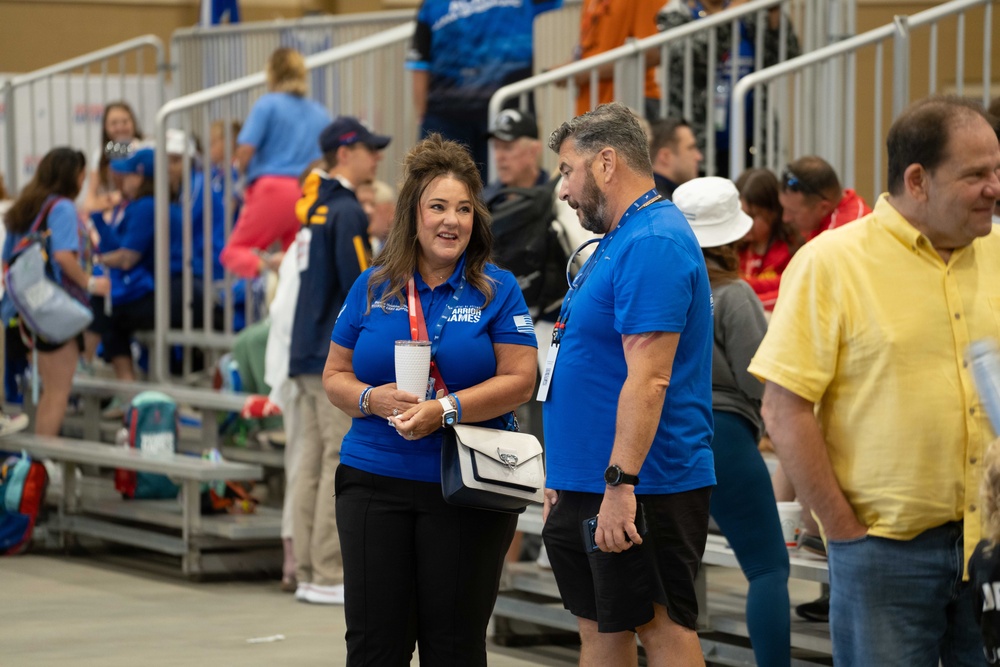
(524, 324)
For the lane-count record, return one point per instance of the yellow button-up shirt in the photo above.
(872, 325)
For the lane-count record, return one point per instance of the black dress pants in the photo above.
(416, 570)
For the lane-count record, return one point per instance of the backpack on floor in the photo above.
(151, 426)
(22, 491)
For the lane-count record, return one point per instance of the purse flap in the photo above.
(509, 448)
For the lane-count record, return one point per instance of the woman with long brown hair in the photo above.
(119, 131)
(405, 550)
(50, 195)
(743, 502)
(768, 247)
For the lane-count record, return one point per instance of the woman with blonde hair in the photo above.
(416, 569)
(278, 141)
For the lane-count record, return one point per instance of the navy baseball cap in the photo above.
(139, 162)
(346, 131)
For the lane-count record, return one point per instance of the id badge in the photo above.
(302, 241)
(550, 365)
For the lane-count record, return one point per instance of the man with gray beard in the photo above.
(632, 350)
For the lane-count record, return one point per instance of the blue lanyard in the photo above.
(592, 262)
(449, 308)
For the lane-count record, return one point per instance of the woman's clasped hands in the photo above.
(412, 417)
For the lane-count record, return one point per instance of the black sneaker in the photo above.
(817, 611)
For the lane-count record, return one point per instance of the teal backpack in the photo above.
(150, 425)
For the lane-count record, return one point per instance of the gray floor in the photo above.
(62, 610)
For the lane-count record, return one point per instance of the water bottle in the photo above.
(984, 357)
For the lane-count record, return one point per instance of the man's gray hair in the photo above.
(611, 125)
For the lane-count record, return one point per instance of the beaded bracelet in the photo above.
(363, 401)
(458, 406)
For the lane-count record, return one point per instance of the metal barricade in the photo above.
(365, 79)
(209, 56)
(818, 23)
(63, 104)
(829, 125)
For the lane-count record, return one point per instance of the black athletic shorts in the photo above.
(617, 590)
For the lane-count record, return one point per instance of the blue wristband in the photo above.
(458, 406)
(363, 402)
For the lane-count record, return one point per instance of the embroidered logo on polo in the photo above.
(470, 314)
(389, 306)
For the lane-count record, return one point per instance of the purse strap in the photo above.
(43, 216)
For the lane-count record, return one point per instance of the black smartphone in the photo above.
(590, 528)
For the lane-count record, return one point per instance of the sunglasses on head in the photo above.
(792, 183)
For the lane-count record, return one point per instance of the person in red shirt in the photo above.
(813, 199)
(768, 246)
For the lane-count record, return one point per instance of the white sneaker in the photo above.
(543, 559)
(325, 594)
(301, 591)
(12, 423)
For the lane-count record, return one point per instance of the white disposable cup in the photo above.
(413, 366)
(790, 516)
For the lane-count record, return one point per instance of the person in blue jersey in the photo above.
(56, 183)
(462, 53)
(191, 204)
(416, 569)
(277, 142)
(633, 354)
(332, 250)
(126, 249)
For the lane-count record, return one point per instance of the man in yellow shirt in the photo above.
(870, 403)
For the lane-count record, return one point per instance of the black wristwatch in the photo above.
(614, 476)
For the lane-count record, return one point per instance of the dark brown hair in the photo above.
(920, 134)
(723, 264)
(759, 188)
(432, 158)
(58, 174)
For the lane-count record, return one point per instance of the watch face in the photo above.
(612, 475)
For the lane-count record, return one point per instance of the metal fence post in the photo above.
(900, 65)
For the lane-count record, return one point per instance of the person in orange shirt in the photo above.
(605, 25)
(768, 247)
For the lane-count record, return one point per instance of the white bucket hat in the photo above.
(712, 208)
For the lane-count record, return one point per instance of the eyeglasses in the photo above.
(791, 182)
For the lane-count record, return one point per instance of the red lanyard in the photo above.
(418, 330)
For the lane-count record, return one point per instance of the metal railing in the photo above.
(555, 92)
(829, 125)
(365, 79)
(203, 57)
(64, 103)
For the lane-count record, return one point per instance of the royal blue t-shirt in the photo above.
(648, 276)
(284, 130)
(198, 191)
(136, 231)
(472, 49)
(465, 358)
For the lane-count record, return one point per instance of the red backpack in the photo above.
(22, 491)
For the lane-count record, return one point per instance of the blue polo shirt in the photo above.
(648, 275)
(135, 231)
(284, 130)
(199, 188)
(465, 357)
